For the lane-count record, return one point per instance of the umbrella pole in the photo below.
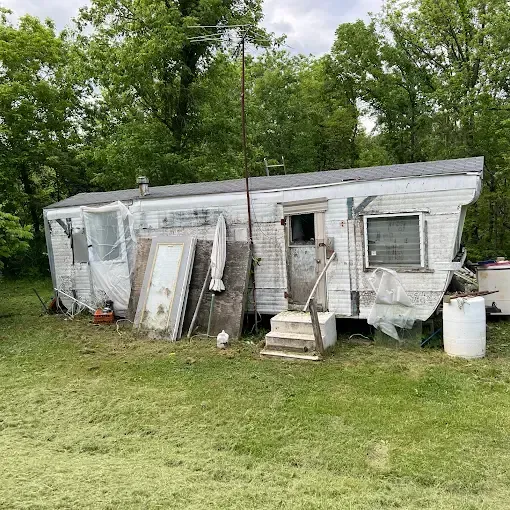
(213, 297)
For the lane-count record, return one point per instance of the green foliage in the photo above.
(129, 92)
(150, 72)
(433, 72)
(295, 111)
(38, 108)
(14, 238)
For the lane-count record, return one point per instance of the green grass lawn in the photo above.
(90, 418)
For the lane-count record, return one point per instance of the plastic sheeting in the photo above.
(111, 244)
(392, 308)
(218, 256)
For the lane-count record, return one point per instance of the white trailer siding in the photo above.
(68, 276)
(338, 281)
(442, 214)
(441, 198)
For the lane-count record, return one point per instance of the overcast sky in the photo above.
(309, 24)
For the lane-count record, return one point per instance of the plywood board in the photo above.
(143, 248)
(230, 305)
(165, 286)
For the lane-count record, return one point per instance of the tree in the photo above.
(294, 111)
(463, 46)
(380, 74)
(148, 70)
(38, 108)
(435, 73)
(14, 238)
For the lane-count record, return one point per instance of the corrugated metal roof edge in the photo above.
(478, 160)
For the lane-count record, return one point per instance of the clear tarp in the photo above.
(111, 246)
(392, 307)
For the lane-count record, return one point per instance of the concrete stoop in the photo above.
(291, 335)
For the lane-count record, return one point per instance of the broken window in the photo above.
(394, 241)
(302, 229)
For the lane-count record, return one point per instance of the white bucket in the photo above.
(464, 327)
(222, 340)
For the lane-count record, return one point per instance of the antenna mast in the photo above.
(244, 29)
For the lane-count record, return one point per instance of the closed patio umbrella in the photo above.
(218, 256)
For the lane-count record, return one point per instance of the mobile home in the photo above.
(406, 217)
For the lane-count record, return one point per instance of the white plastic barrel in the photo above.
(464, 327)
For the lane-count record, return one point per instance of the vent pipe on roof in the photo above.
(143, 185)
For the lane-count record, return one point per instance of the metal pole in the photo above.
(243, 121)
(45, 308)
(333, 255)
(213, 297)
(195, 315)
(246, 174)
(74, 299)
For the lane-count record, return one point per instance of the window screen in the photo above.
(394, 241)
(302, 228)
(104, 234)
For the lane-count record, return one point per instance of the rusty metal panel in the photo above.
(143, 248)
(229, 305)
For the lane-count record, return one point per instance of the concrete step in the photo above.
(300, 323)
(276, 340)
(289, 355)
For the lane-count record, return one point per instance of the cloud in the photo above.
(60, 11)
(309, 24)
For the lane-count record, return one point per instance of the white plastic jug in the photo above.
(222, 340)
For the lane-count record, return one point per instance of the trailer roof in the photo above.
(277, 182)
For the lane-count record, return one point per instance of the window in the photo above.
(394, 241)
(104, 235)
(302, 229)
(80, 248)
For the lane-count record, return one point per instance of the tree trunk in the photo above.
(181, 114)
(30, 192)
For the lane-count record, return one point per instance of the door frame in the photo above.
(318, 208)
(121, 260)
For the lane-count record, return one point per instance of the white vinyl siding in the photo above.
(394, 241)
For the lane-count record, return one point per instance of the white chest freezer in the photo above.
(496, 276)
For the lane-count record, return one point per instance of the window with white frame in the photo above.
(394, 240)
